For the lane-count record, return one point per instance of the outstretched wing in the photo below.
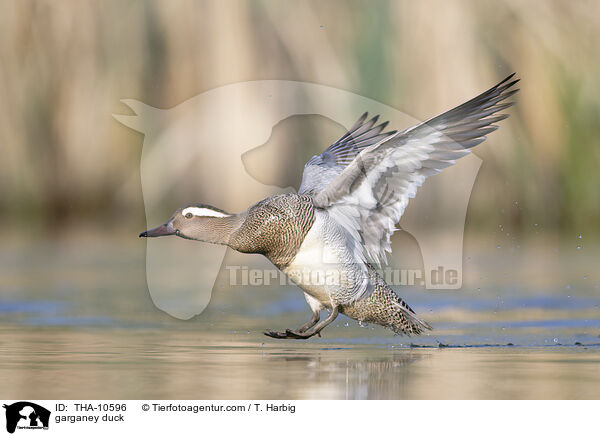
(369, 195)
(320, 170)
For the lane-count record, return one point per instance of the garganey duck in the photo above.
(340, 222)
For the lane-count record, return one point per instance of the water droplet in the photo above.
(555, 339)
(579, 247)
(584, 277)
(346, 325)
(478, 289)
(579, 236)
(498, 246)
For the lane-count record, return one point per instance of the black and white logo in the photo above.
(26, 415)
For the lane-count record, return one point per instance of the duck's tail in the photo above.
(387, 309)
(405, 319)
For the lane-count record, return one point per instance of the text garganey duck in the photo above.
(340, 222)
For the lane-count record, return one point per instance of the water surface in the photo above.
(77, 322)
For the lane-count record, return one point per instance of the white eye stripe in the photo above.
(202, 211)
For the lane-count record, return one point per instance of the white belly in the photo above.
(324, 267)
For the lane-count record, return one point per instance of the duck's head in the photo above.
(195, 221)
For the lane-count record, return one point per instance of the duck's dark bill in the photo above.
(163, 230)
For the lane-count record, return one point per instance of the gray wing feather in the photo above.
(383, 176)
(320, 170)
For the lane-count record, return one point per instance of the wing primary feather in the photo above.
(352, 129)
(378, 173)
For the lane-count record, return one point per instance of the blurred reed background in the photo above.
(65, 66)
(72, 270)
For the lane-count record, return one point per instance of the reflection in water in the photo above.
(138, 364)
(79, 323)
(348, 373)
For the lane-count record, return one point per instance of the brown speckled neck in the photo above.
(275, 227)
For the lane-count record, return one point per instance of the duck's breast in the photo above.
(323, 266)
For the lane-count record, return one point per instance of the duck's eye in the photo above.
(188, 215)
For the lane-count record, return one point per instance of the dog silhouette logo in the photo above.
(26, 415)
(194, 148)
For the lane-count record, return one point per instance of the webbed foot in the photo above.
(288, 334)
(278, 335)
(308, 333)
(296, 335)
